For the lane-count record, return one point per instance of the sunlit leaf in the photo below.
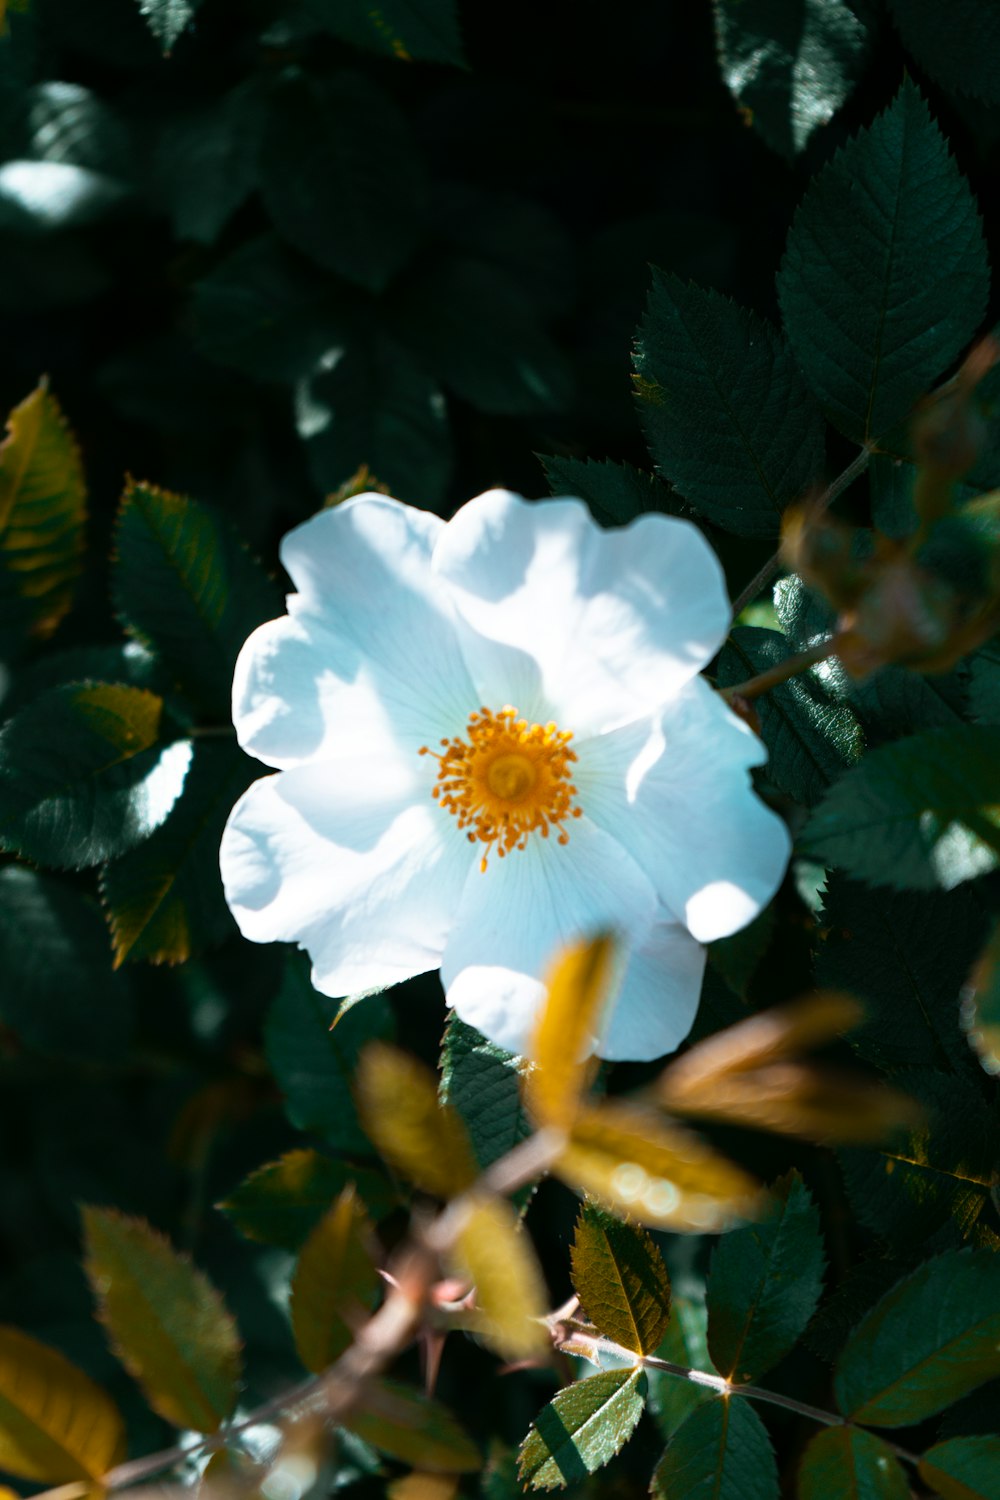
(495, 1253)
(582, 1428)
(413, 1428)
(282, 1202)
(722, 1450)
(55, 1423)
(483, 1083)
(621, 1280)
(168, 18)
(981, 1005)
(963, 1468)
(335, 1283)
(421, 1137)
(166, 1321)
(849, 1461)
(565, 1035)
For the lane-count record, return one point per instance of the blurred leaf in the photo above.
(57, 994)
(166, 1321)
(965, 1468)
(168, 18)
(878, 295)
(520, 236)
(482, 1083)
(205, 162)
(39, 198)
(764, 1284)
(186, 587)
(954, 47)
(918, 814)
(616, 493)
(582, 1428)
(422, 1138)
(42, 499)
(55, 1423)
(422, 1485)
(891, 482)
(621, 1280)
(726, 415)
(790, 66)
(981, 1005)
(737, 957)
(577, 989)
(934, 1337)
(335, 1283)
(721, 1450)
(984, 684)
(634, 1163)
(850, 1461)
(82, 775)
(407, 29)
(314, 1065)
(684, 1342)
(340, 176)
(70, 123)
(282, 1202)
(414, 1429)
(495, 1253)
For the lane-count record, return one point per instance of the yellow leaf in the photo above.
(423, 1138)
(634, 1163)
(420, 1486)
(335, 1283)
(578, 986)
(55, 1423)
(413, 1428)
(494, 1252)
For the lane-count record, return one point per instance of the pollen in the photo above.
(506, 779)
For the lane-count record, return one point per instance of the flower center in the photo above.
(507, 778)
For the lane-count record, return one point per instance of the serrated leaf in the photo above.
(981, 1005)
(885, 276)
(764, 1284)
(417, 1134)
(849, 1461)
(615, 492)
(494, 1252)
(954, 46)
(919, 814)
(42, 511)
(932, 1339)
(55, 1423)
(83, 775)
(335, 1283)
(726, 414)
(413, 1428)
(721, 1450)
(671, 1401)
(964, 1468)
(282, 1202)
(577, 989)
(168, 18)
(406, 29)
(168, 1324)
(621, 1280)
(790, 66)
(186, 587)
(340, 176)
(582, 1429)
(482, 1082)
(633, 1162)
(314, 1061)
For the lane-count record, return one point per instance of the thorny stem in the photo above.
(782, 671)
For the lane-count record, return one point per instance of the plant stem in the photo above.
(782, 671)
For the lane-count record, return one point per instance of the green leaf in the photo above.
(790, 66)
(168, 18)
(341, 178)
(55, 1423)
(167, 1323)
(965, 1468)
(282, 1202)
(885, 276)
(57, 995)
(413, 1428)
(187, 588)
(764, 1284)
(726, 414)
(314, 1066)
(621, 1280)
(981, 1005)
(955, 46)
(582, 1429)
(848, 1461)
(373, 404)
(82, 775)
(164, 899)
(721, 1450)
(984, 684)
(891, 482)
(616, 493)
(810, 736)
(334, 1284)
(671, 1400)
(918, 814)
(205, 163)
(407, 29)
(482, 1083)
(934, 1337)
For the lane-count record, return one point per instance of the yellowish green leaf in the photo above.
(578, 986)
(413, 1428)
(582, 1428)
(335, 1283)
(168, 1324)
(621, 1280)
(416, 1134)
(494, 1251)
(55, 1423)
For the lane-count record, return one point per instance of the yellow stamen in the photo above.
(506, 779)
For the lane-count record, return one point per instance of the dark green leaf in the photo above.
(764, 1284)
(965, 1468)
(205, 163)
(722, 1450)
(727, 417)
(520, 236)
(616, 493)
(340, 177)
(864, 1284)
(671, 1400)
(984, 684)
(981, 1005)
(482, 1083)
(411, 1427)
(283, 1201)
(82, 777)
(424, 29)
(583, 1427)
(891, 481)
(885, 278)
(848, 1461)
(167, 18)
(955, 45)
(933, 1338)
(621, 1280)
(917, 814)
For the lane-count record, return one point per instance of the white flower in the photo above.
(491, 739)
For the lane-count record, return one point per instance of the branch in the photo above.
(754, 687)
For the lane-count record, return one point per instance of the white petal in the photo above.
(515, 916)
(350, 868)
(658, 998)
(676, 791)
(369, 643)
(617, 620)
